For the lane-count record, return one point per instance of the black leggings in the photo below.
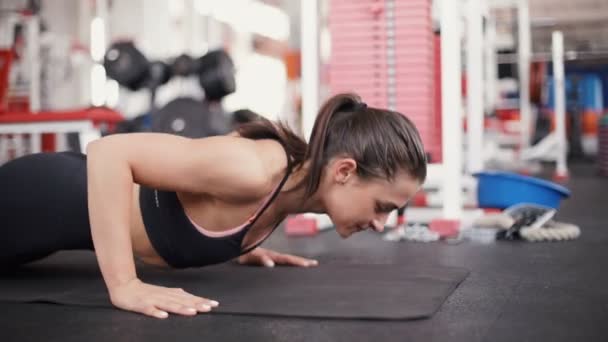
(43, 207)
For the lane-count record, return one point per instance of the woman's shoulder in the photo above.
(271, 153)
(258, 167)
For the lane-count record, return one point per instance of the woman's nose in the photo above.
(378, 224)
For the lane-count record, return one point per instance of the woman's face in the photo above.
(356, 204)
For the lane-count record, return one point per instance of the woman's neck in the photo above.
(295, 201)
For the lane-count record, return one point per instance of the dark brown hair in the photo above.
(382, 142)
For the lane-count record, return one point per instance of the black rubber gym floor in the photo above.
(515, 292)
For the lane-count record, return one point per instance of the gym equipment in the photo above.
(140, 123)
(525, 215)
(126, 64)
(191, 118)
(184, 65)
(501, 190)
(159, 73)
(551, 231)
(183, 116)
(6, 58)
(411, 232)
(300, 225)
(308, 224)
(446, 228)
(130, 68)
(554, 146)
(481, 235)
(216, 75)
(331, 290)
(89, 124)
(526, 221)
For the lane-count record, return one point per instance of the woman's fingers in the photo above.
(171, 306)
(199, 303)
(152, 311)
(288, 259)
(266, 260)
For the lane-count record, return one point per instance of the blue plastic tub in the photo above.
(501, 190)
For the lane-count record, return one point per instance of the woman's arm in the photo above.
(212, 165)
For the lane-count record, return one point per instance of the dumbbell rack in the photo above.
(384, 51)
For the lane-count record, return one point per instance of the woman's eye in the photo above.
(381, 209)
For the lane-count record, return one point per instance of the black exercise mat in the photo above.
(347, 291)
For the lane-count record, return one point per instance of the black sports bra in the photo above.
(179, 242)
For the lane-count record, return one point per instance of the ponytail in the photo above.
(316, 152)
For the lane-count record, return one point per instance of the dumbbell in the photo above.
(216, 75)
(159, 73)
(126, 64)
(130, 68)
(215, 71)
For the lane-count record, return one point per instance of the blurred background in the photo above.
(261, 38)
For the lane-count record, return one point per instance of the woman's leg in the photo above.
(43, 207)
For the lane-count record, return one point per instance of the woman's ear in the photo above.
(344, 170)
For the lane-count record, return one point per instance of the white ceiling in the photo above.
(584, 23)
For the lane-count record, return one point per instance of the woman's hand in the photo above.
(158, 301)
(265, 257)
